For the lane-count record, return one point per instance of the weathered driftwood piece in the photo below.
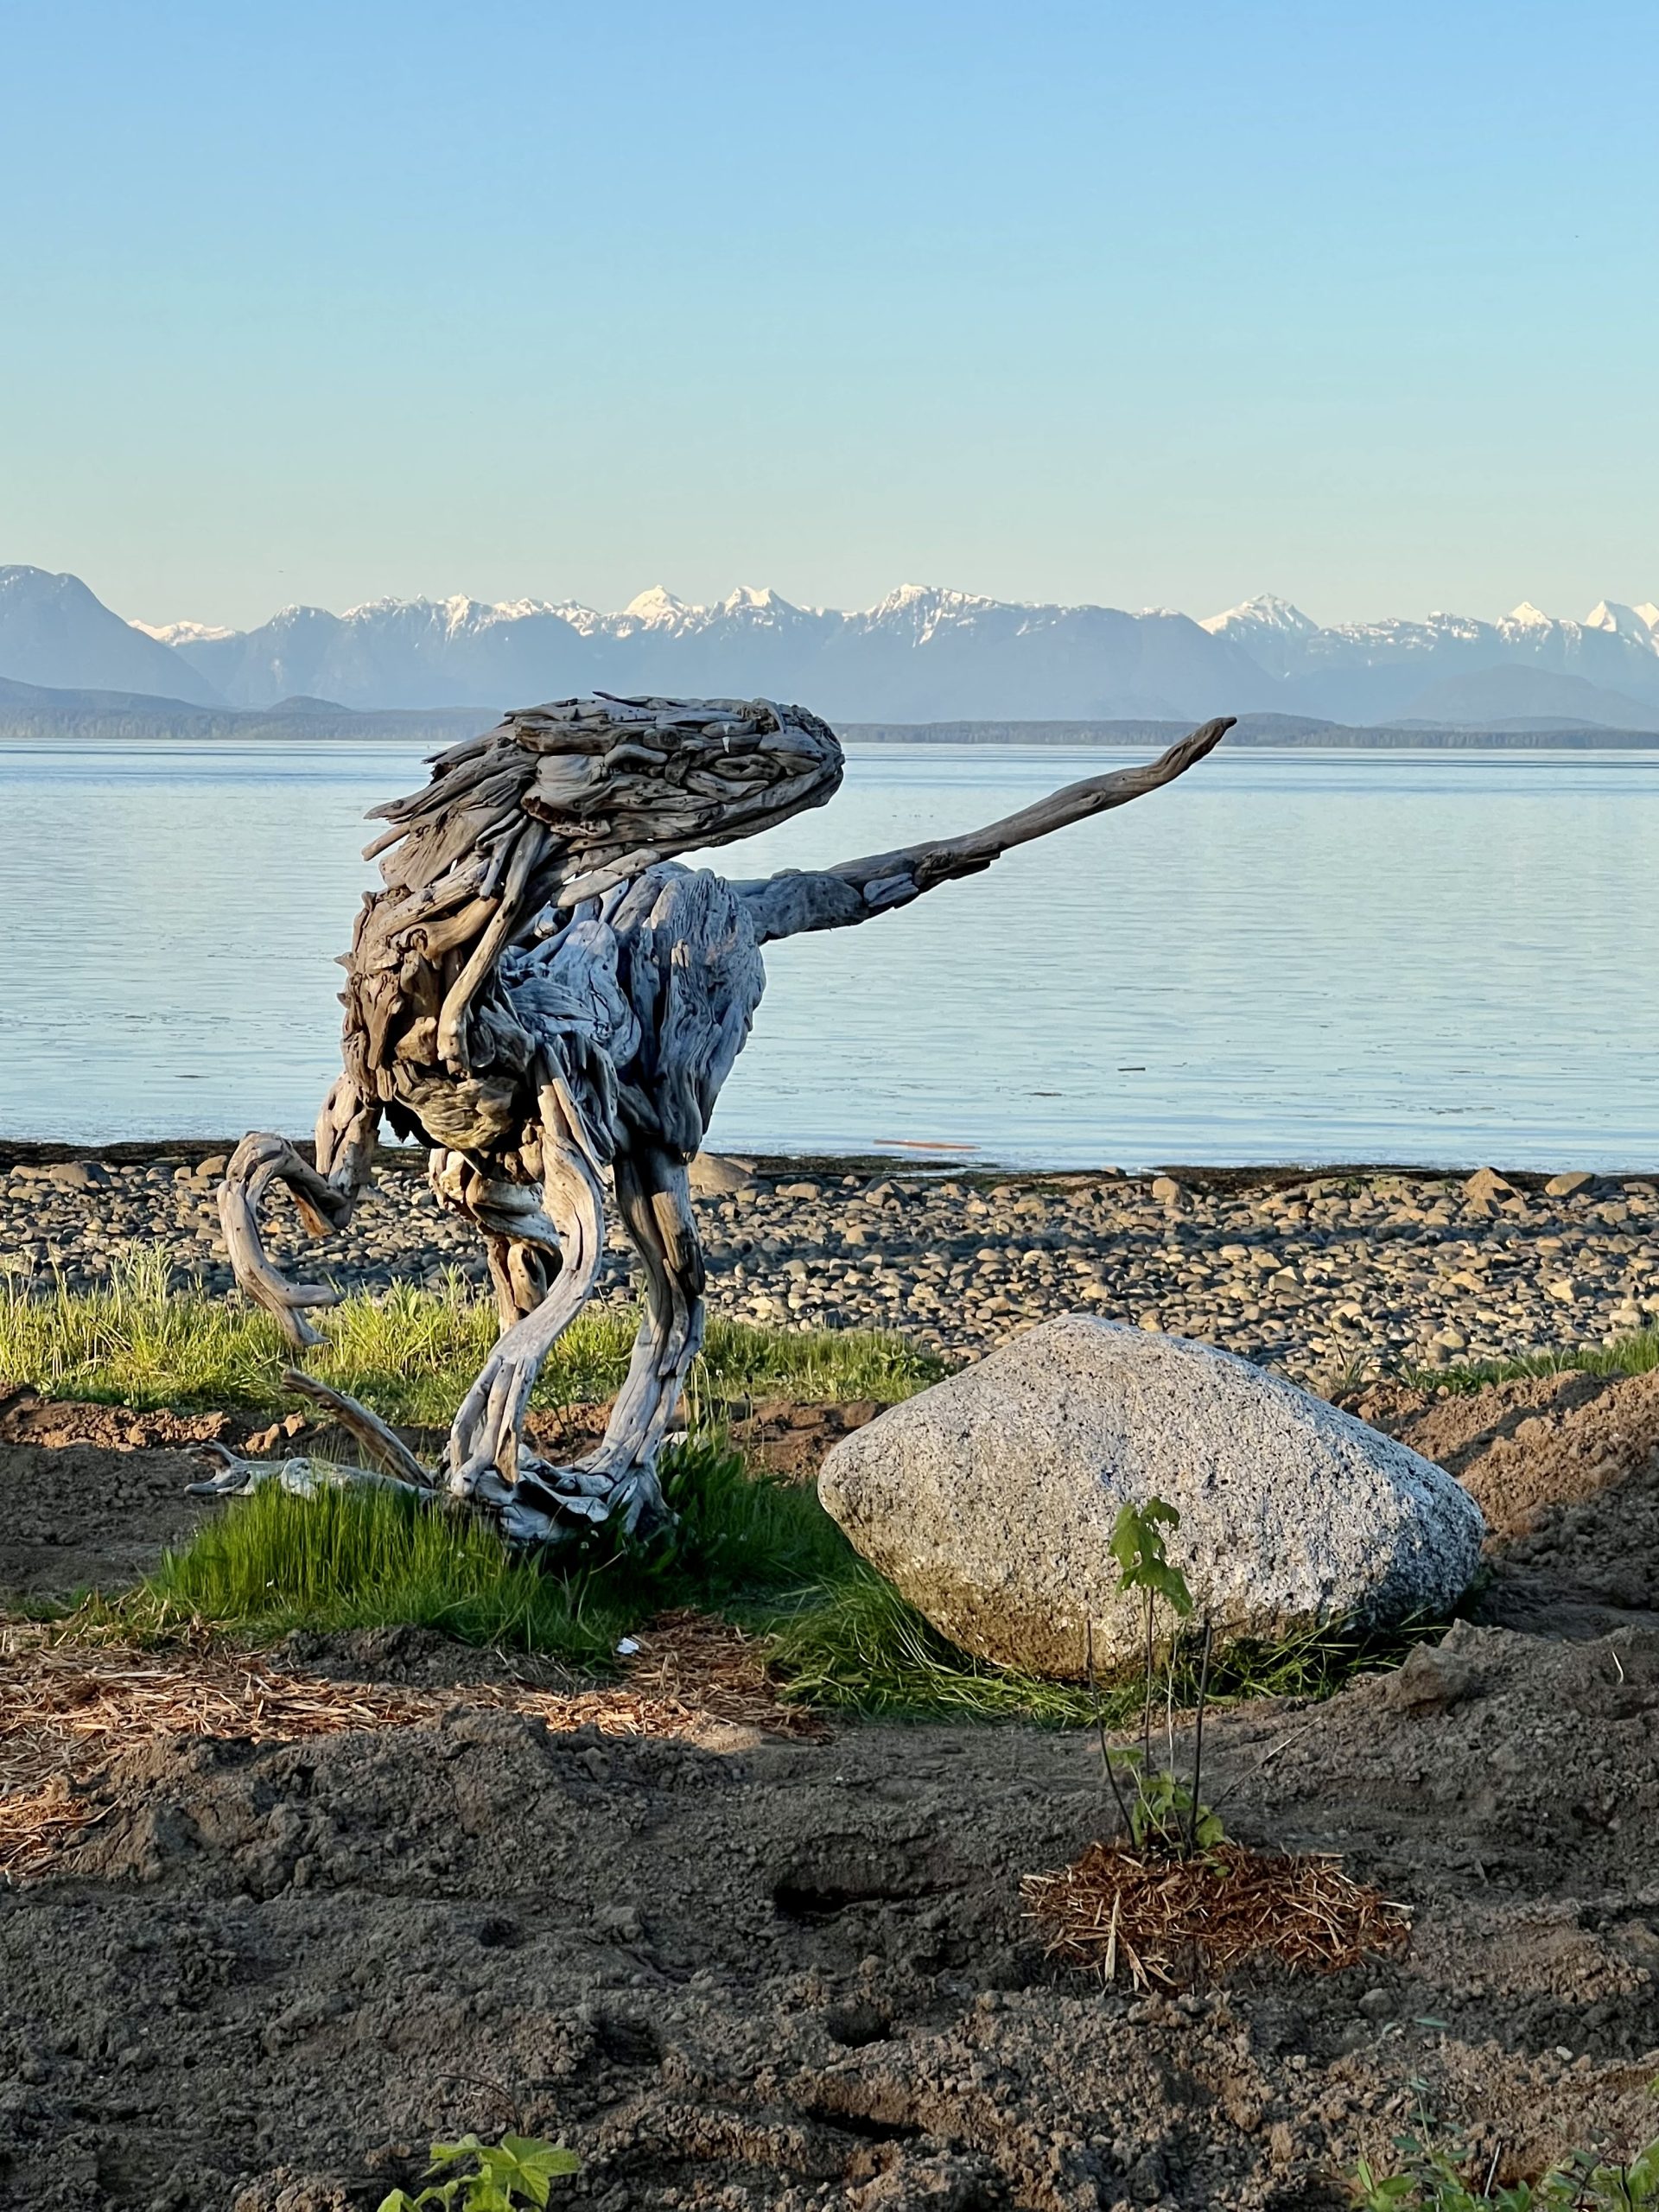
(541, 995)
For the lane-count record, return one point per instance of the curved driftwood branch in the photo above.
(384, 1447)
(854, 891)
(326, 1196)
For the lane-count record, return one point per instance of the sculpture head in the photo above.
(622, 783)
(681, 771)
(501, 849)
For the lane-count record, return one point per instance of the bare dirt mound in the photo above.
(82, 1517)
(1566, 1469)
(789, 1975)
(26, 1417)
(742, 1972)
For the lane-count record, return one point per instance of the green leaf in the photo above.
(1377, 2194)
(1161, 1812)
(535, 2164)
(1210, 1830)
(447, 2154)
(1138, 1546)
(518, 2169)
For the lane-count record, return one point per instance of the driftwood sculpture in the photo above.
(539, 994)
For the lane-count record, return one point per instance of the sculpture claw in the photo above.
(300, 1478)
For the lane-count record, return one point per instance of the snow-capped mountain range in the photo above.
(922, 654)
(1534, 662)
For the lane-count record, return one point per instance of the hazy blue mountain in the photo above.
(1269, 730)
(46, 714)
(54, 631)
(1493, 697)
(923, 654)
(1373, 672)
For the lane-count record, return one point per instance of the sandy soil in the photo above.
(743, 1972)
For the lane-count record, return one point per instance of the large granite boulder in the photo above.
(990, 1500)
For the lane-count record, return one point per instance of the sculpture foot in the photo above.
(549, 1504)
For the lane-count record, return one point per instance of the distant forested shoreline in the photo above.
(32, 715)
(1291, 731)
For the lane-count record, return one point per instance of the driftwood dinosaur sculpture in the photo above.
(540, 994)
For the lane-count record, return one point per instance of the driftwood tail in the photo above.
(852, 892)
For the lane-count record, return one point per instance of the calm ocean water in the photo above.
(1436, 957)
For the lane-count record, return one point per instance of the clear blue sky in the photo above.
(1148, 303)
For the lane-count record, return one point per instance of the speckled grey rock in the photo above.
(712, 1176)
(989, 1499)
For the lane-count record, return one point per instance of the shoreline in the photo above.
(1324, 1273)
(913, 1162)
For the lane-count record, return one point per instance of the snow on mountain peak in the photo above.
(1622, 621)
(518, 610)
(921, 611)
(746, 600)
(930, 597)
(179, 634)
(923, 651)
(1267, 611)
(657, 605)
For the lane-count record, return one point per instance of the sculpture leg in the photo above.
(525, 1245)
(325, 1195)
(655, 1199)
(485, 1451)
(521, 1276)
(618, 1480)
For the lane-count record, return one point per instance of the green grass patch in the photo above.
(752, 1549)
(351, 1559)
(410, 1353)
(1632, 1355)
(856, 1644)
(348, 1559)
(371, 1558)
(1443, 2177)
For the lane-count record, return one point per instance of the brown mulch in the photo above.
(690, 1657)
(69, 1709)
(1158, 1917)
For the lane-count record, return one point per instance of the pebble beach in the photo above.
(1317, 1274)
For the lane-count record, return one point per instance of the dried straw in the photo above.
(1158, 1917)
(67, 1711)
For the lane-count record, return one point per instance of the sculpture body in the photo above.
(542, 995)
